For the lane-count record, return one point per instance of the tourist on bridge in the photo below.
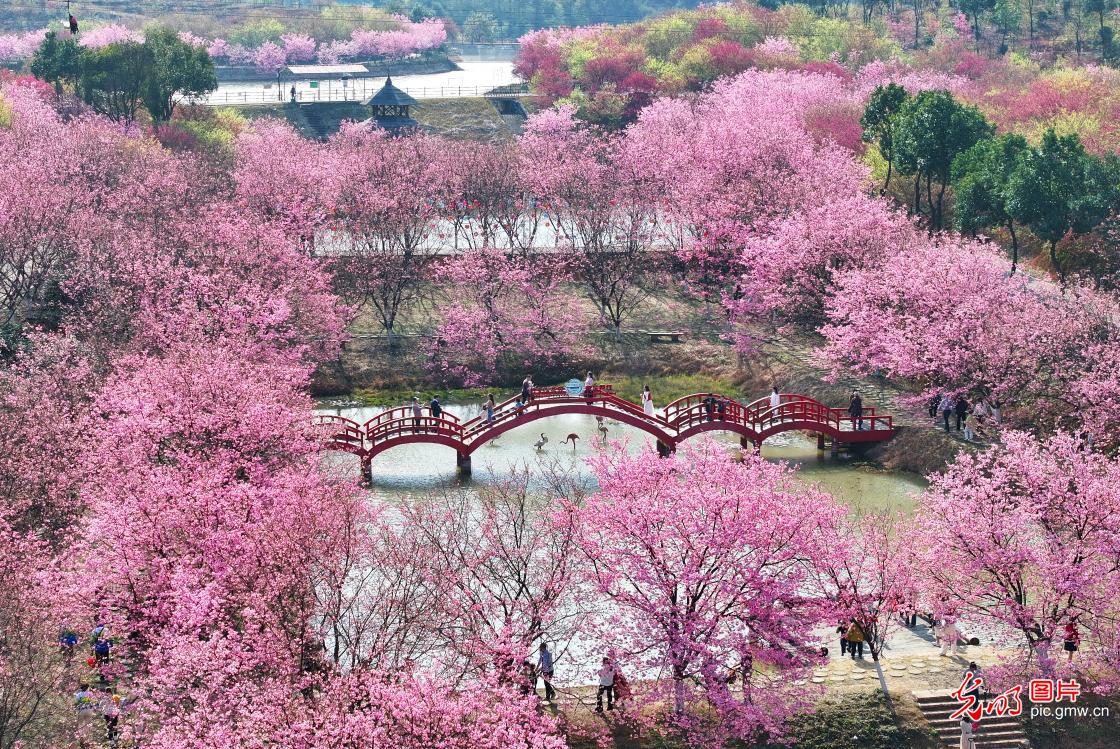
(647, 401)
(960, 408)
(775, 397)
(527, 389)
(436, 409)
(546, 668)
(417, 413)
(710, 406)
(589, 386)
(490, 407)
(721, 408)
(855, 410)
(606, 686)
(946, 408)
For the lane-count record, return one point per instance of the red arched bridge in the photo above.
(679, 420)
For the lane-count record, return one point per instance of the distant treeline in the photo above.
(479, 20)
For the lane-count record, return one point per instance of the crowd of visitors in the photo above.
(96, 696)
(985, 415)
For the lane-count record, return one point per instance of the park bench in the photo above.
(660, 336)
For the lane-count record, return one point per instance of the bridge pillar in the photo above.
(835, 447)
(463, 463)
(663, 450)
(820, 441)
(367, 469)
(749, 444)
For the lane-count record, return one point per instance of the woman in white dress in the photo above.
(647, 401)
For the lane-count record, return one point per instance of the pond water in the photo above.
(472, 79)
(412, 469)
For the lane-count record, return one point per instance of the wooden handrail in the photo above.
(677, 417)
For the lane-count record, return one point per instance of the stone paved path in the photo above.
(910, 661)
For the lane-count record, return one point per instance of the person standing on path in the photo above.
(528, 677)
(933, 404)
(855, 410)
(545, 667)
(621, 688)
(1071, 639)
(960, 408)
(111, 713)
(417, 413)
(606, 685)
(946, 408)
(949, 637)
(972, 679)
(855, 639)
(968, 737)
(842, 630)
(647, 402)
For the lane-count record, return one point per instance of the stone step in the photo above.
(994, 732)
(988, 724)
(987, 732)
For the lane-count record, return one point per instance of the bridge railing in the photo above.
(410, 425)
(871, 422)
(540, 395)
(342, 431)
(398, 413)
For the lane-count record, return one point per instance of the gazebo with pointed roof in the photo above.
(390, 108)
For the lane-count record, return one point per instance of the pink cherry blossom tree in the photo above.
(32, 671)
(419, 710)
(208, 518)
(504, 569)
(388, 216)
(487, 201)
(945, 314)
(503, 311)
(1020, 541)
(738, 165)
(871, 579)
(599, 210)
(704, 564)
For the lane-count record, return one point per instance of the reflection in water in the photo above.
(411, 469)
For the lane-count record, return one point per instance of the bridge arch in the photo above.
(680, 420)
(533, 415)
